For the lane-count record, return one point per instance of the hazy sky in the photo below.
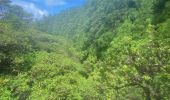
(40, 8)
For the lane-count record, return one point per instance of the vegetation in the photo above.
(103, 50)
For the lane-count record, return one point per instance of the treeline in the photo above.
(105, 49)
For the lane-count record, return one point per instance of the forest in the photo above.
(102, 50)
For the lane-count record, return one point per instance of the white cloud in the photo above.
(55, 2)
(31, 8)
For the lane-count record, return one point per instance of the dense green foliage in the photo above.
(104, 50)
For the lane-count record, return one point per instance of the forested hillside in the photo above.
(103, 50)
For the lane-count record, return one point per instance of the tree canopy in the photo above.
(103, 50)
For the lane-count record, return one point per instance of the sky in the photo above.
(40, 8)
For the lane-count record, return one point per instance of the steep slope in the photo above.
(125, 42)
(106, 49)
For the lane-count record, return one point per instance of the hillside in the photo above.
(103, 50)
